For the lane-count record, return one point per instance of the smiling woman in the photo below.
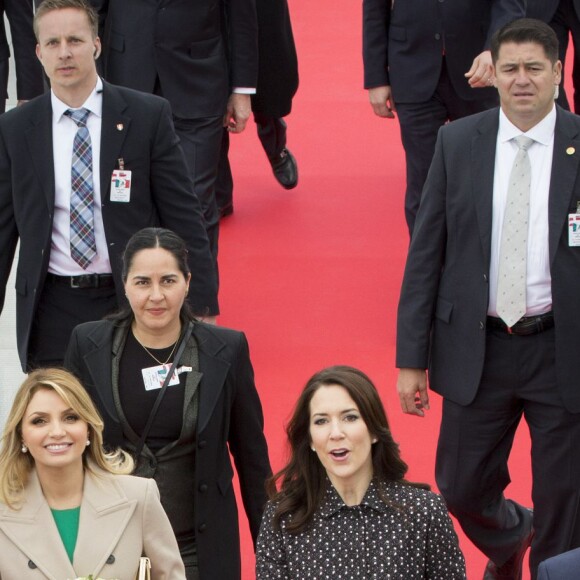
(344, 509)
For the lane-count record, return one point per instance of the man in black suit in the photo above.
(28, 70)
(202, 56)
(424, 58)
(128, 132)
(455, 302)
(564, 17)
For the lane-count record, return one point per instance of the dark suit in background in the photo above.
(422, 50)
(29, 83)
(277, 85)
(564, 17)
(193, 53)
(563, 567)
(135, 127)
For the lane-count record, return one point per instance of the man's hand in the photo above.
(481, 72)
(382, 102)
(238, 112)
(412, 388)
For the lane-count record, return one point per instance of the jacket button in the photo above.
(202, 528)
(32, 565)
(203, 488)
(202, 444)
(111, 559)
(437, 36)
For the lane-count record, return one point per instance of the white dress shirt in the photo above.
(538, 278)
(64, 130)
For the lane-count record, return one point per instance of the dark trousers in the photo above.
(420, 123)
(519, 379)
(566, 22)
(272, 135)
(61, 309)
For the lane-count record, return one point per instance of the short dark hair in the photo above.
(303, 480)
(147, 239)
(47, 6)
(526, 30)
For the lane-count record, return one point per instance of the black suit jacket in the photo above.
(445, 293)
(135, 127)
(402, 46)
(184, 43)
(230, 415)
(545, 9)
(29, 83)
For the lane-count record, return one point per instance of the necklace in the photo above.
(153, 356)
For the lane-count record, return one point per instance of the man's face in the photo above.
(526, 81)
(67, 50)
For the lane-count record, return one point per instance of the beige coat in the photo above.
(120, 518)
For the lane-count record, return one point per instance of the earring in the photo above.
(374, 440)
(313, 449)
(24, 449)
(88, 442)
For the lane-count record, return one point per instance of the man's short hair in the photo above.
(526, 30)
(47, 6)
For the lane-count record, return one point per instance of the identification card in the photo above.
(574, 229)
(121, 186)
(154, 377)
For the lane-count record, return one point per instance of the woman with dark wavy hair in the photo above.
(344, 509)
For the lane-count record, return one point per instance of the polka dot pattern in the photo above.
(410, 538)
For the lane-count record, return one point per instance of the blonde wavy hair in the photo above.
(15, 466)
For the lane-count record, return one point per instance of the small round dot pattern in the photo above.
(511, 286)
(411, 539)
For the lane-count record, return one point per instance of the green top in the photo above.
(67, 523)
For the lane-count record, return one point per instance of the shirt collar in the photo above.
(542, 133)
(333, 503)
(94, 103)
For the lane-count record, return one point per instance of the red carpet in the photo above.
(313, 275)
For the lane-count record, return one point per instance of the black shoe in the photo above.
(285, 169)
(512, 569)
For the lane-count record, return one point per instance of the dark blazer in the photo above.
(136, 127)
(183, 43)
(29, 83)
(230, 415)
(566, 566)
(402, 46)
(445, 293)
(278, 70)
(545, 9)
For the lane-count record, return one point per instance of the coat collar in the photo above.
(105, 513)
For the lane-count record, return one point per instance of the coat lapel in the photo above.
(33, 521)
(483, 147)
(564, 174)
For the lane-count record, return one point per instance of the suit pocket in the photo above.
(117, 42)
(21, 285)
(224, 481)
(398, 33)
(205, 48)
(443, 310)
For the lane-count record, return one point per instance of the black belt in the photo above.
(524, 326)
(82, 281)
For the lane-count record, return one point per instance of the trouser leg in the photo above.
(272, 134)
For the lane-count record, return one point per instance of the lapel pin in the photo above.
(570, 150)
(120, 128)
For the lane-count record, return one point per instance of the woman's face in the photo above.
(340, 437)
(156, 289)
(54, 433)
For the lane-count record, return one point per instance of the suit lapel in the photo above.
(38, 136)
(483, 147)
(564, 174)
(214, 370)
(114, 127)
(34, 520)
(105, 508)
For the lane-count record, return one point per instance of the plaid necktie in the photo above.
(83, 247)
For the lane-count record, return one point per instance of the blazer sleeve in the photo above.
(543, 573)
(242, 31)
(376, 18)
(502, 12)
(159, 543)
(246, 439)
(271, 561)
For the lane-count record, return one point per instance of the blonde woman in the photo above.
(67, 509)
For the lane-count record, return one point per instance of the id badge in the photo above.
(154, 377)
(121, 186)
(574, 230)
